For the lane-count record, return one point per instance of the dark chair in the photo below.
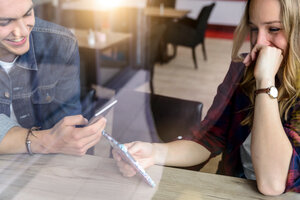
(174, 118)
(188, 32)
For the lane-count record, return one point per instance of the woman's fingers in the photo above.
(134, 147)
(252, 56)
(267, 64)
(129, 145)
(255, 50)
(126, 169)
(116, 156)
(247, 60)
(142, 153)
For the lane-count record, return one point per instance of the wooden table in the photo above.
(90, 53)
(165, 13)
(62, 177)
(102, 40)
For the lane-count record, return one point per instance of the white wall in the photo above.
(224, 13)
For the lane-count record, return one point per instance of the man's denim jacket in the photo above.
(43, 85)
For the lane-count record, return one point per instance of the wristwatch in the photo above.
(271, 91)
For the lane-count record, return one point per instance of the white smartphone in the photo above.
(97, 116)
(127, 157)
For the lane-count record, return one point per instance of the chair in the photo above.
(173, 117)
(188, 32)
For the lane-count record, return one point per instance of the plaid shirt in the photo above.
(221, 130)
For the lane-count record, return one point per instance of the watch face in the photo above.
(273, 92)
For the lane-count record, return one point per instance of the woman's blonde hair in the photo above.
(288, 89)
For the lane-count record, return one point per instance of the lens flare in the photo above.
(108, 4)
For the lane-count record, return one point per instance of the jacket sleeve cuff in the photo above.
(5, 125)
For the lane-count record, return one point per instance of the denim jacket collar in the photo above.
(28, 60)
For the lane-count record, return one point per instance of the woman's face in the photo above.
(266, 26)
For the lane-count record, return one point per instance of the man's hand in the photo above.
(66, 138)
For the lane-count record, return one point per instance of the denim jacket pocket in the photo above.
(43, 95)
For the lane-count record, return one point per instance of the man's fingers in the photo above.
(93, 129)
(99, 124)
(88, 140)
(80, 147)
(74, 120)
(81, 139)
(91, 141)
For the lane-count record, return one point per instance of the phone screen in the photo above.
(126, 156)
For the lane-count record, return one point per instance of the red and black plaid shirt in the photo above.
(221, 130)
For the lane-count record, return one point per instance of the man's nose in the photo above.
(21, 28)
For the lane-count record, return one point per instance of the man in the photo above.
(39, 86)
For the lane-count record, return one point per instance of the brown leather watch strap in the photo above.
(263, 90)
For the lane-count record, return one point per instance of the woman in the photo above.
(253, 120)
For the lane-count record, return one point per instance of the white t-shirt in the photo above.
(245, 152)
(7, 67)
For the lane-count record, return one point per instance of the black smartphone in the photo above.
(98, 115)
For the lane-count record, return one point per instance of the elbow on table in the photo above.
(273, 188)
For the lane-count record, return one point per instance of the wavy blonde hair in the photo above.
(287, 88)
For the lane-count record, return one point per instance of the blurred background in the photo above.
(179, 50)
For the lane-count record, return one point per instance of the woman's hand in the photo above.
(66, 138)
(267, 62)
(142, 152)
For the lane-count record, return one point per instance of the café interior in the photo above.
(163, 61)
